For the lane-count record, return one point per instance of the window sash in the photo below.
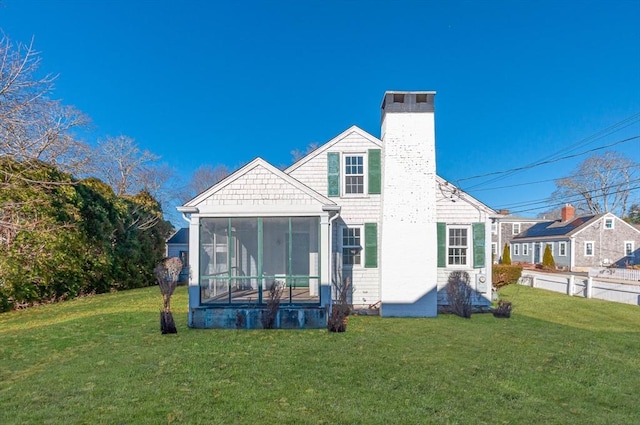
(458, 246)
(354, 174)
(562, 249)
(628, 249)
(351, 246)
(588, 249)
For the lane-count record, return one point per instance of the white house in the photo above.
(359, 207)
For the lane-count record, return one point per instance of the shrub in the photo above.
(548, 262)
(506, 255)
(503, 274)
(459, 294)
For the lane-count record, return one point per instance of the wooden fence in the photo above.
(627, 293)
(632, 275)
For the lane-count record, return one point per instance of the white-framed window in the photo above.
(515, 228)
(516, 249)
(351, 243)
(494, 248)
(494, 228)
(629, 248)
(562, 249)
(458, 245)
(525, 249)
(588, 248)
(353, 168)
(608, 223)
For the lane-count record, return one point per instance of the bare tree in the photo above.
(34, 127)
(298, 154)
(120, 163)
(203, 178)
(600, 184)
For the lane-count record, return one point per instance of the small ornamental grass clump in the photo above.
(167, 273)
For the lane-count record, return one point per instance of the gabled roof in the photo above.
(256, 163)
(330, 143)
(180, 237)
(558, 228)
(452, 190)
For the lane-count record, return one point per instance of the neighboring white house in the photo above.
(360, 208)
(579, 243)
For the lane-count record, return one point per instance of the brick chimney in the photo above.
(568, 212)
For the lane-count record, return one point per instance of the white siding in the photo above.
(454, 208)
(355, 210)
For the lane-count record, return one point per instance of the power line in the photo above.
(549, 202)
(545, 181)
(539, 163)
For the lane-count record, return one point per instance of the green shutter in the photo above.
(478, 245)
(333, 174)
(371, 244)
(442, 245)
(375, 177)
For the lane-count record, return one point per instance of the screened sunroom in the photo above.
(241, 258)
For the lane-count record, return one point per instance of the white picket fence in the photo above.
(632, 275)
(591, 287)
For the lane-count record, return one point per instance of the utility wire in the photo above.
(551, 158)
(551, 203)
(537, 164)
(545, 181)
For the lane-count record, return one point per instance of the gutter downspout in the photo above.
(336, 210)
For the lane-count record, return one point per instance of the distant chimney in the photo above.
(568, 212)
(503, 212)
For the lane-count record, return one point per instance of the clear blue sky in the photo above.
(208, 82)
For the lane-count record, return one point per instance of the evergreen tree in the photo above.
(547, 259)
(506, 255)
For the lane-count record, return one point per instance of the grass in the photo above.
(102, 360)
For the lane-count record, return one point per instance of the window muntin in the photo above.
(516, 249)
(629, 248)
(458, 246)
(608, 223)
(352, 246)
(562, 249)
(354, 174)
(525, 249)
(588, 248)
(515, 228)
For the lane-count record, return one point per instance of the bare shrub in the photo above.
(167, 273)
(503, 309)
(459, 294)
(340, 307)
(270, 313)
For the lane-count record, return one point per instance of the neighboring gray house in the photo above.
(579, 243)
(506, 227)
(178, 246)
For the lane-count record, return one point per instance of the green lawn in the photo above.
(102, 359)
